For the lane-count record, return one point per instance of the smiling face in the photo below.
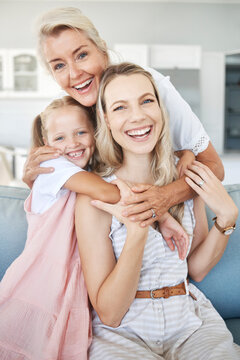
(133, 113)
(76, 64)
(70, 130)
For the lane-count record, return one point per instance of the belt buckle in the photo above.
(152, 294)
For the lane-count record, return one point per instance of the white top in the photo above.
(48, 188)
(186, 129)
(160, 267)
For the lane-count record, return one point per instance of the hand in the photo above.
(118, 208)
(143, 200)
(32, 165)
(186, 158)
(173, 232)
(212, 192)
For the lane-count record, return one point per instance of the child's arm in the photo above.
(94, 186)
(208, 247)
(173, 232)
(186, 157)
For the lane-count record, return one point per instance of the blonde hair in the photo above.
(56, 20)
(163, 167)
(39, 128)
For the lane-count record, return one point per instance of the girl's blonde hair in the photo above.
(56, 20)
(163, 167)
(39, 128)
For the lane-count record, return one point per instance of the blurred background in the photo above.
(196, 43)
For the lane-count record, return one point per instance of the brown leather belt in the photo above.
(164, 292)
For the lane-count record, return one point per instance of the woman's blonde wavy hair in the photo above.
(162, 165)
(53, 22)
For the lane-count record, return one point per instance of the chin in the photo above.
(87, 101)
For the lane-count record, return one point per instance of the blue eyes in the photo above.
(58, 66)
(78, 133)
(118, 108)
(147, 101)
(121, 107)
(82, 55)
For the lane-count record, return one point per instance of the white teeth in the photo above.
(139, 132)
(75, 154)
(80, 86)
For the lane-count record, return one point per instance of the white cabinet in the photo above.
(21, 75)
(3, 71)
(135, 53)
(175, 56)
(160, 56)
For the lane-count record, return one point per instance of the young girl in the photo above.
(144, 307)
(43, 300)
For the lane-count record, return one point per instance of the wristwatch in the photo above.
(226, 231)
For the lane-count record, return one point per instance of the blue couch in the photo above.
(221, 285)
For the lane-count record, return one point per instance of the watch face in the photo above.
(228, 231)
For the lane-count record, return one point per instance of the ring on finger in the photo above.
(201, 183)
(153, 214)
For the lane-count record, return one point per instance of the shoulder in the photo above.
(87, 215)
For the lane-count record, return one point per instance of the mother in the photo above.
(76, 56)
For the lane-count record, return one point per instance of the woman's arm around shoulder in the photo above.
(208, 247)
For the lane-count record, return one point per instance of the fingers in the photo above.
(103, 206)
(182, 246)
(135, 211)
(123, 187)
(136, 198)
(148, 222)
(138, 188)
(170, 243)
(193, 185)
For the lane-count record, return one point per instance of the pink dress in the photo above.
(44, 313)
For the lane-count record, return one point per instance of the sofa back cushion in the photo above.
(221, 285)
(13, 225)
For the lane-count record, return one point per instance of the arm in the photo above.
(32, 165)
(111, 285)
(208, 248)
(94, 186)
(162, 198)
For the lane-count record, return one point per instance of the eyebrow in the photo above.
(73, 53)
(140, 97)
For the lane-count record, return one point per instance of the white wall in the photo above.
(216, 27)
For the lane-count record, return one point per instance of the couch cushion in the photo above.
(13, 225)
(222, 284)
(234, 326)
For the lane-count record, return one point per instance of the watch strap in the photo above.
(221, 229)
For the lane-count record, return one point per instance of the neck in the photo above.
(136, 169)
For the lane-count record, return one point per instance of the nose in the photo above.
(137, 114)
(71, 142)
(74, 71)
